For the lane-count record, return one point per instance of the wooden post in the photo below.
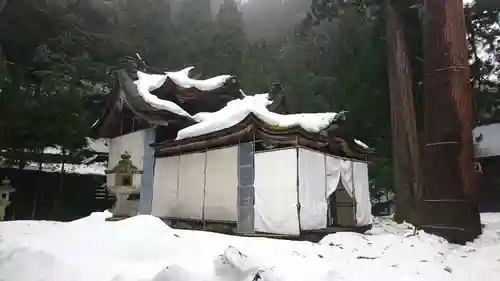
(406, 152)
(450, 208)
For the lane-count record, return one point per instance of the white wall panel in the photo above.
(166, 179)
(132, 143)
(191, 186)
(333, 172)
(362, 194)
(312, 190)
(221, 185)
(276, 192)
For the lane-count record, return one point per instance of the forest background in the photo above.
(57, 59)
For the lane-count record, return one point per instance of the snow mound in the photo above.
(143, 248)
(237, 110)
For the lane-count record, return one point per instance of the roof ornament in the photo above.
(276, 90)
(242, 93)
(141, 64)
(341, 116)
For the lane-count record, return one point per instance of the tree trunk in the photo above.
(404, 130)
(450, 207)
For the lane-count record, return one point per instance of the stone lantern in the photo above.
(5, 191)
(122, 181)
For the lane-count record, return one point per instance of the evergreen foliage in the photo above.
(57, 58)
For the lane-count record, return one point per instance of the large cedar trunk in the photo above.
(404, 130)
(450, 207)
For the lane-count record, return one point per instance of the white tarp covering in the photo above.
(191, 186)
(132, 143)
(312, 190)
(354, 177)
(166, 180)
(362, 194)
(276, 192)
(333, 172)
(221, 185)
(346, 176)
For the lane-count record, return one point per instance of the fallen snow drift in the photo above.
(144, 249)
(237, 110)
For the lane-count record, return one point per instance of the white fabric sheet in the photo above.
(312, 190)
(276, 192)
(221, 185)
(333, 172)
(132, 143)
(362, 193)
(346, 176)
(165, 186)
(191, 186)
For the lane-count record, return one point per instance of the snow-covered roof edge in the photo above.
(97, 168)
(147, 83)
(95, 145)
(237, 110)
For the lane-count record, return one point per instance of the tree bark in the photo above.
(450, 206)
(406, 152)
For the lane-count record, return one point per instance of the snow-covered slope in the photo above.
(143, 248)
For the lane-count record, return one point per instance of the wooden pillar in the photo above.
(450, 208)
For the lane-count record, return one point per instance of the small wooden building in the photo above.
(54, 185)
(213, 156)
(487, 141)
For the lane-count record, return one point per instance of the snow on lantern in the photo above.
(5, 190)
(122, 181)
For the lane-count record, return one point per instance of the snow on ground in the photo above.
(144, 249)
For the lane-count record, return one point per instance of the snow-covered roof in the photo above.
(87, 167)
(209, 106)
(94, 145)
(362, 144)
(237, 110)
(150, 82)
(154, 97)
(97, 168)
(233, 113)
(487, 140)
(98, 145)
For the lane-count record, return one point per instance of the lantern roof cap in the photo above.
(125, 166)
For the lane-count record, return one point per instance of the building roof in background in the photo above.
(487, 140)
